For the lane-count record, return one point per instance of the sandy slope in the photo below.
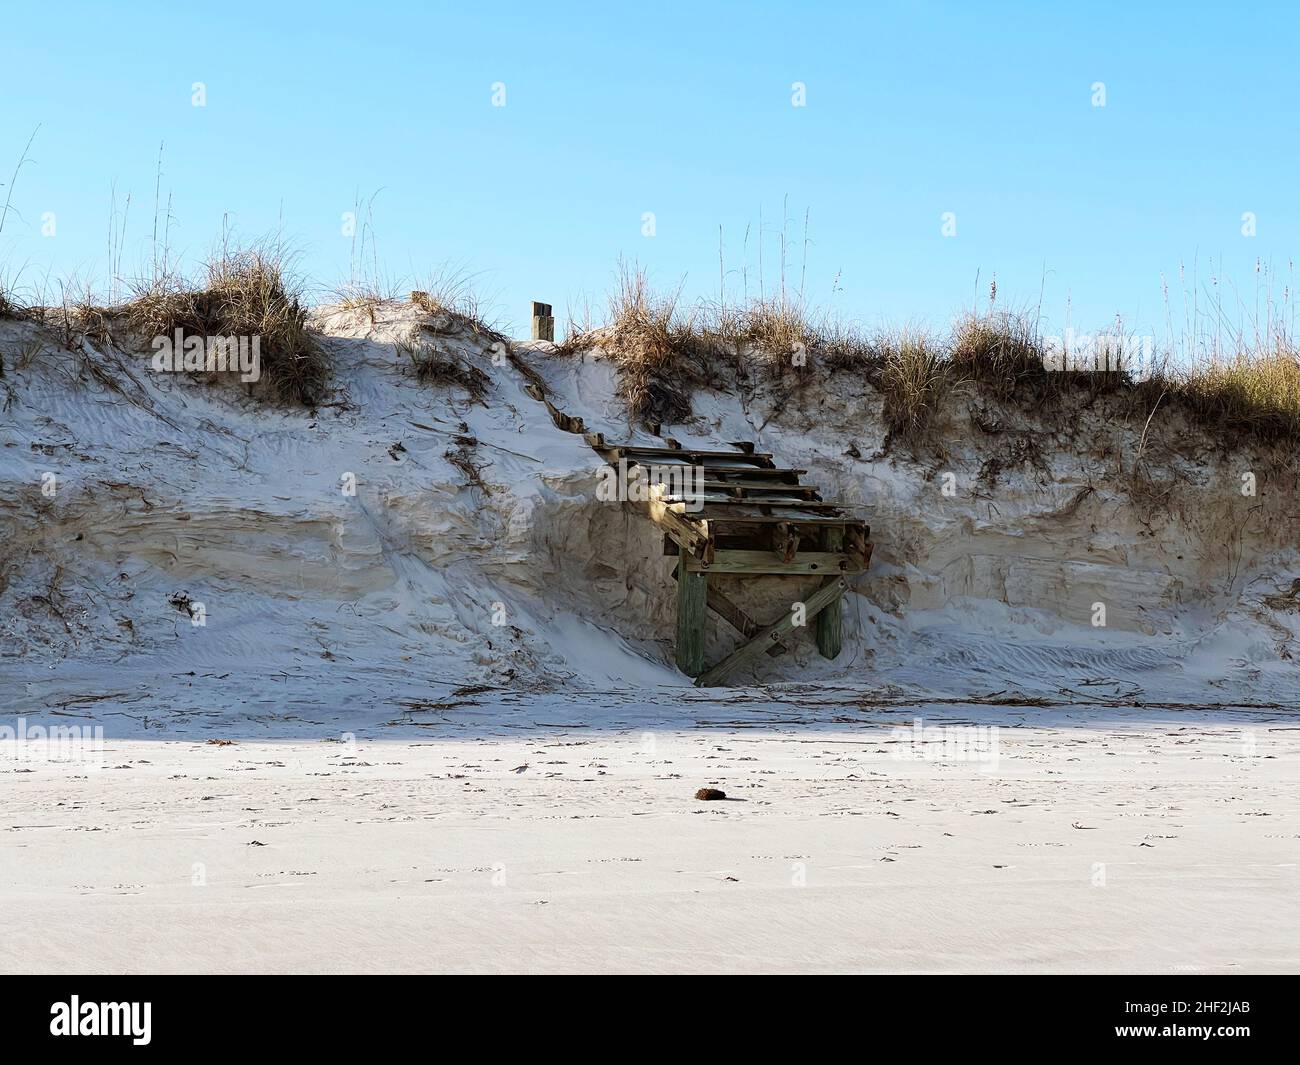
(1157, 841)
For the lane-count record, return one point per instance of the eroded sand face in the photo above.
(988, 571)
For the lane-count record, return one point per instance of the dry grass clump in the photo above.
(247, 293)
(661, 354)
(1001, 351)
(455, 308)
(779, 336)
(364, 297)
(450, 320)
(88, 319)
(462, 457)
(1254, 394)
(436, 367)
(914, 378)
(16, 308)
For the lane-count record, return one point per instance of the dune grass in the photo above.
(246, 292)
(661, 354)
(453, 309)
(437, 367)
(1001, 351)
(665, 350)
(915, 376)
(1253, 395)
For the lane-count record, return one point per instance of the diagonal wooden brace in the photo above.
(813, 605)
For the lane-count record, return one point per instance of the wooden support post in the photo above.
(692, 596)
(815, 604)
(543, 322)
(830, 622)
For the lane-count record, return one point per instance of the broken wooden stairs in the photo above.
(736, 513)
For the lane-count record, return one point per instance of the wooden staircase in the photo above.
(738, 513)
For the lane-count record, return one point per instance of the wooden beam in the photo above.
(751, 476)
(813, 606)
(757, 460)
(754, 510)
(692, 595)
(736, 617)
(830, 622)
(734, 560)
(723, 474)
(692, 534)
(757, 491)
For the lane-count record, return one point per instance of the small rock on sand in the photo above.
(704, 794)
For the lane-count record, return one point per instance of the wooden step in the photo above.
(724, 477)
(719, 517)
(758, 491)
(683, 456)
(757, 509)
(775, 476)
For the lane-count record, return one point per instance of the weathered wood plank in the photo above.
(755, 491)
(728, 503)
(752, 476)
(692, 597)
(543, 321)
(830, 622)
(757, 460)
(691, 533)
(721, 513)
(813, 606)
(744, 476)
(735, 560)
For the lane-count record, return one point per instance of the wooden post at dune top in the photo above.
(543, 323)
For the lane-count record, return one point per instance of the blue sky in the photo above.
(683, 110)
